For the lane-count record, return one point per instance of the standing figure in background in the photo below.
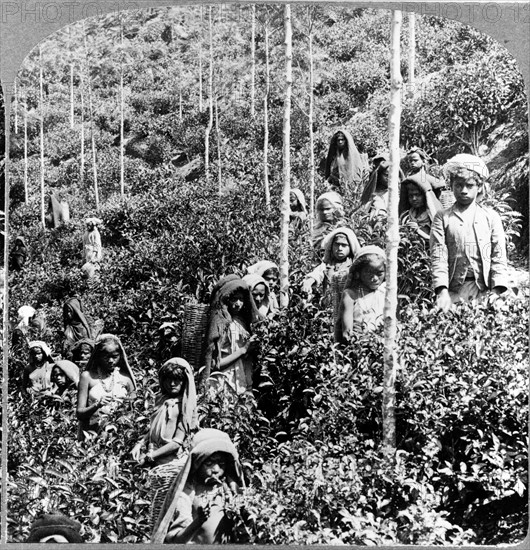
(76, 325)
(418, 163)
(19, 254)
(230, 345)
(468, 244)
(260, 291)
(106, 382)
(194, 509)
(173, 421)
(81, 352)
(298, 214)
(344, 164)
(58, 212)
(92, 248)
(329, 215)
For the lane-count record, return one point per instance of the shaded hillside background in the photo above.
(310, 443)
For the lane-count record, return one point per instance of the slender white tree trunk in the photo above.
(41, 95)
(200, 65)
(218, 133)
(82, 152)
(284, 239)
(392, 243)
(26, 196)
(210, 99)
(71, 95)
(253, 68)
(266, 122)
(122, 119)
(412, 50)
(311, 134)
(15, 105)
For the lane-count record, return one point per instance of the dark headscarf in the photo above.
(352, 170)
(220, 319)
(78, 323)
(47, 525)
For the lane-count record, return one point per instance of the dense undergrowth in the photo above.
(310, 441)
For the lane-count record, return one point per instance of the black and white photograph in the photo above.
(266, 272)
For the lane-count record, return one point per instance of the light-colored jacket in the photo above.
(447, 241)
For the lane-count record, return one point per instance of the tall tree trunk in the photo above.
(210, 99)
(15, 105)
(311, 134)
(122, 118)
(218, 133)
(72, 96)
(392, 243)
(92, 133)
(284, 239)
(41, 106)
(82, 152)
(266, 122)
(200, 64)
(412, 50)
(26, 197)
(253, 69)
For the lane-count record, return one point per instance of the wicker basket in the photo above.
(194, 327)
(338, 282)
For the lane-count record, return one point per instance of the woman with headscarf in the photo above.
(37, 375)
(230, 345)
(270, 272)
(298, 210)
(64, 376)
(92, 248)
(329, 215)
(344, 165)
(194, 508)
(19, 254)
(81, 352)
(106, 382)
(418, 204)
(260, 291)
(76, 325)
(55, 528)
(172, 422)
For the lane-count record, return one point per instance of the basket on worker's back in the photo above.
(338, 284)
(194, 327)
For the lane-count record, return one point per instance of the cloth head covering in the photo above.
(350, 171)
(163, 402)
(336, 201)
(253, 280)
(43, 346)
(71, 370)
(471, 162)
(25, 313)
(220, 318)
(301, 199)
(21, 239)
(78, 323)
(47, 525)
(221, 282)
(259, 268)
(82, 342)
(371, 185)
(101, 340)
(205, 443)
(327, 243)
(94, 220)
(422, 181)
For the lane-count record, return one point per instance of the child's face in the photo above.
(236, 301)
(173, 386)
(373, 274)
(382, 177)
(37, 354)
(415, 161)
(325, 211)
(110, 355)
(416, 197)
(212, 469)
(340, 248)
(258, 293)
(271, 276)
(58, 377)
(465, 187)
(90, 226)
(84, 352)
(293, 201)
